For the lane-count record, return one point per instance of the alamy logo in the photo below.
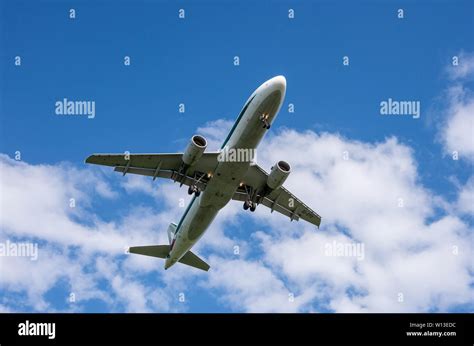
(392, 107)
(237, 155)
(67, 107)
(37, 329)
(10, 249)
(341, 249)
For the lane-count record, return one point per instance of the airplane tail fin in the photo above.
(171, 231)
(162, 251)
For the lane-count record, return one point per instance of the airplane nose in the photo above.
(278, 83)
(271, 87)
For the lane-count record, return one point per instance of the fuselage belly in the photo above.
(246, 134)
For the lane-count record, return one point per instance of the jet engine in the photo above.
(194, 151)
(278, 174)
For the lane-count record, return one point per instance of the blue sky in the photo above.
(191, 61)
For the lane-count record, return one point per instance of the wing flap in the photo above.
(144, 171)
(158, 165)
(284, 199)
(161, 174)
(168, 161)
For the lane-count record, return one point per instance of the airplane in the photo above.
(215, 179)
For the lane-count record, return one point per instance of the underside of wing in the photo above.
(168, 166)
(150, 161)
(280, 200)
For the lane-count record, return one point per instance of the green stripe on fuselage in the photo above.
(242, 112)
(185, 213)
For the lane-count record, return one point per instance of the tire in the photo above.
(246, 205)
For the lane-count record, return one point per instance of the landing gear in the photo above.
(250, 205)
(251, 199)
(264, 120)
(194, 189)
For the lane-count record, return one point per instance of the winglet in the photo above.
(88, 159)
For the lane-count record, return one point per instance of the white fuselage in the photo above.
(246, 133)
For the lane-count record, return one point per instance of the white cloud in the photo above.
(78, 248)
(140, 184)
(35, 205)
(250, 286)
(375, 197)
(464, 67)
(465, 201)
(215, 133)
(457, 127)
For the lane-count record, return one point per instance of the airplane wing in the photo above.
(159, 166)
(168, 166)
(280, 200)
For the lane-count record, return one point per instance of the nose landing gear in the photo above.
(264, 120)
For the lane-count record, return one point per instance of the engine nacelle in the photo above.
(278, 174)
(194, 150)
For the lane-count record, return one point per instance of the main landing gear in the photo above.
(194, 189)
(250, 201)
(250, 205)
(264, 120)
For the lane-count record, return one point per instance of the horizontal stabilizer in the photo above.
(192, 260)
(160, 251)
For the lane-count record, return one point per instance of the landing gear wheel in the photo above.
(246, 205)
(194, 189)
(253, 207)
(268, 127)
